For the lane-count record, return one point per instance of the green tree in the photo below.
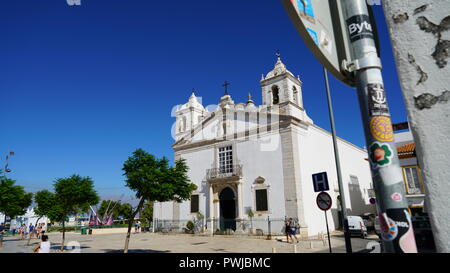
(73, 195)
(45, 205)
(147, 212)
(114, 208)
(14, 201)
(126, 210)
(110, 208)
(153, 180)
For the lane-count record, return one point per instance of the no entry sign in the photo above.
(324, 201)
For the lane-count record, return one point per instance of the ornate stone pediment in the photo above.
(260, 180)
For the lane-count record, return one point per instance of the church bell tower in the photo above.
(280, 86)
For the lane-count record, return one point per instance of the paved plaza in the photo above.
(183, 243)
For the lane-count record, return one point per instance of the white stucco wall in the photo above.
(408, 161)
(403, 138)
(316, 156)
(267, 164)
(421, 55)
(199, 161)
(256, 161)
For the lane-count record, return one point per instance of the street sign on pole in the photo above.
(322, 29)
(320, 182)
(395, 220)
(324, 203)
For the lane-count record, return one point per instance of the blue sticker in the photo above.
(305, 6)
(313, 35)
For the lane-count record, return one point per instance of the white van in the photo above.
(356, 226)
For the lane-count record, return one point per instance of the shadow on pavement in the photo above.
(58, 247)
(135, 251)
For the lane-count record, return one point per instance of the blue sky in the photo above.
(81, 87)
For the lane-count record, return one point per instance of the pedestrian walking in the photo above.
(22, 231)
(293, 225)
(30, 230)
(136, 226)
(2, 230)
(287, 228)
(44, 246)
(12, 228)
(39, 231)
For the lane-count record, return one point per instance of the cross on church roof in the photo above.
(278, 53)
(225, 84)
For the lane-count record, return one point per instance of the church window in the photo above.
(294, 93)
(412, 180)
(226, 159)
(261, 200)
(183, 124)
(194, 203)
(275, 94)
(354, 180)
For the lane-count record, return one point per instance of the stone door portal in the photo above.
(227, 200)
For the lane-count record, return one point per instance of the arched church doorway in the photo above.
(227, 200)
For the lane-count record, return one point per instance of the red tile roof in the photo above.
(407, 150)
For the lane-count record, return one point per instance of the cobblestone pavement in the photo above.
(181, 243)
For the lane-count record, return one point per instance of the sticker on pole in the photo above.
(324, 201)
(359, 27)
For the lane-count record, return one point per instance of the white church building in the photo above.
(261, 158)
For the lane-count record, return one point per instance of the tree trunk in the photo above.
(35, 224)
(130, 224)
(63, 235)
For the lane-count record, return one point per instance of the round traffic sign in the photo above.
(324, 201)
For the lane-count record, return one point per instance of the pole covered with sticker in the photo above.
(395, 220)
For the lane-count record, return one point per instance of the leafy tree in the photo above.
(147, 212)
(45, 205)
(14, 200)
(109, 207)
(126, 210)
(73, 195)
(153, 180)
(114, 208)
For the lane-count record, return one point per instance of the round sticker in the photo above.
(381, 128)
(380, 154)
(389, 229)
(396, 197)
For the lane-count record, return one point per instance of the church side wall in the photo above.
(263, 157)
(316, 155)
(198, 160)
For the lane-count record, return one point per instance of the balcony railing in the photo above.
(217, 173)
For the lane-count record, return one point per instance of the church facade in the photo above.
(245, 157)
